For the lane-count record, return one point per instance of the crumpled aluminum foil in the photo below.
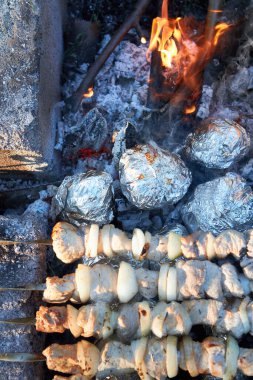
(223, 203)
(218, 143)
(85, 198)
(151, 177)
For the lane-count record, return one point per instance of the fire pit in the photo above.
(127, 202)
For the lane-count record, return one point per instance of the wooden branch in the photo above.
(73, 102)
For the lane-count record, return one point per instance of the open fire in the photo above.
(185, 46)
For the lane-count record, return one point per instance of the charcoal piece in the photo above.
(218, 143)
(223, 203)
(151, 177)
(93, 129)
(85, 198)
(173, 227)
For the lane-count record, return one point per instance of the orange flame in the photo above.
(184, 48)
(89, 93)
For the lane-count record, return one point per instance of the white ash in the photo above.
(250, 84)
(120, 93)
(121, 85)
(205, 102)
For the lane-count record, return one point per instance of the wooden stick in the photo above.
(39, 242)
(73, 102)
(28, 321)
(22, 357)
(32, 287)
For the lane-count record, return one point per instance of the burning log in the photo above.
(190, 279)
(74, 101)
(133, 321)
(180, 49)
(151, 357)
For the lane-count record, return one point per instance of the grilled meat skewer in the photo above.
(133, 321)
(152, 358)
(192, 279)
(71, 243)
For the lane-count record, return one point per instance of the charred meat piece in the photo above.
(59, 290)
(51, 319)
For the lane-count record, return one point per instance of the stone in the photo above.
(21, 265)
(31, 47)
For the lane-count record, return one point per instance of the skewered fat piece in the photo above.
(133, 321)
(192, 279)
(71, 243)
(153, 358)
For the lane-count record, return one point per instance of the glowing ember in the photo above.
(89, 93)
(190, 109)
(143, 40)
(185, 48)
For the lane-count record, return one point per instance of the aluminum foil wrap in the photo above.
(218, 143)
(223, 203)
(85, 198)
(151, 177)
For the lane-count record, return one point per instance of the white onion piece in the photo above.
(100, 243)
(138, 242)
(75, 297)
(232, 353)
(127, 286)
(159, 315)
(171, 357)
(72, 314)
(145, 318)
(171, 293)
(174, 245)
(148, 237)
(244, 314)
(162, 282)
(189, 356)
(88, 357)
(139, 348)
(92, 245)
(106, 239)
(210, 250)
(83, 282)
(119, 241)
